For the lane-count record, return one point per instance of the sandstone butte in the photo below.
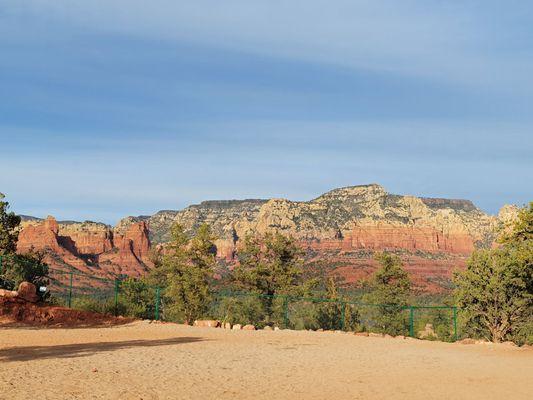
(339, 230)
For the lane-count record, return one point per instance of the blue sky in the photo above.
(114, 108)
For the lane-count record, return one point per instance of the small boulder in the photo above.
(428, 332)
(237, 327)
(248, 328)
(227, 325)
(267, 328)
(276, 328)
(207, 323)
(8, 294)
(27, 291)
(467, 341)
(372, 334)
(361, 333)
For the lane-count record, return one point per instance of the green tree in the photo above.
(185, 272)
(390, 287)
(329, 313)
(9, 223)
(522, 230)
(29, 267)
(137, 298)
(270, 265)
(16, 268)
(495, 291)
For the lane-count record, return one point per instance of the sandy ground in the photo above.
(166, 361)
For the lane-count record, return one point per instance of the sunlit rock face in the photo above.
(341, 230)
(90, 247)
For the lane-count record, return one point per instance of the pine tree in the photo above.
(185, 272)
(390, 288)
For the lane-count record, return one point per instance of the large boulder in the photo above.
(27, 291)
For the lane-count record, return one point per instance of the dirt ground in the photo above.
(167, 361)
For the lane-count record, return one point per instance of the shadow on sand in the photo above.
(30, 353)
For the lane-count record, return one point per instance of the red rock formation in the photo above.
(86, 246)
(397, 237)
(40, 237)
(140, 243)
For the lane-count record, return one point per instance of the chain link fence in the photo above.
(137, 299)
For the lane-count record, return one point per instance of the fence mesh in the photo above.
(137, 299)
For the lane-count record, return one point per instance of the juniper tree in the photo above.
(495, 291)
(270, 264)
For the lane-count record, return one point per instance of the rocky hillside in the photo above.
(340, 231)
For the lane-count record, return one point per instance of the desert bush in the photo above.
(138, 298)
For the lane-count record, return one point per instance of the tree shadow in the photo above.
(30, 353)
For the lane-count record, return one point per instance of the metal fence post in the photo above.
(157, 300)
(286, 312)
(411, 321)
(116, 295)
(455, 323)
(70, 292)
(1, 266)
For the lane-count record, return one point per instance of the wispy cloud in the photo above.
(125, 106)
(451, 41)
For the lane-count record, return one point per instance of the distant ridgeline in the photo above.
(340, 231)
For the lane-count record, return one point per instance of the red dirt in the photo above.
(17, 311)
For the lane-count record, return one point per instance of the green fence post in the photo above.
(70, 292)
(157, 300)
(1, 264)
(116, 295)
(411, 321)
(286, 312)
(455, 323)
(343, 315)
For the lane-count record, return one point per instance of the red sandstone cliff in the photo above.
(90, 247)
(340, 229)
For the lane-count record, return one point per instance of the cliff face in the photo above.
(88, 246)
(359, 217)
(342, 228)
(339, 230)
